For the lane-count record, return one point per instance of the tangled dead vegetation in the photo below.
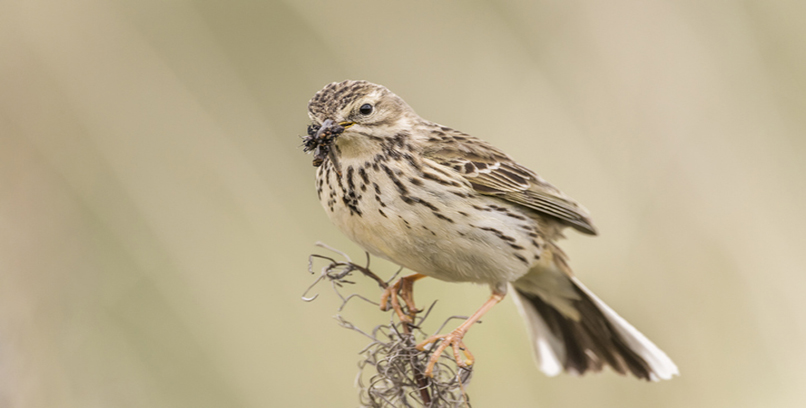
(391, 369)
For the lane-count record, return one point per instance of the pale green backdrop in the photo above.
(156, 210)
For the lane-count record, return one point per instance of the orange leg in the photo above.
(405, 286)
(454, 338)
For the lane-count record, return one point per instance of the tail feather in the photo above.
(597, 337)
(661, 366)
(547, 348)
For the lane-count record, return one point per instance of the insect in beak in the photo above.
(321, 138)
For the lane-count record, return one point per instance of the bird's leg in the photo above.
(454, 338)
(405, 286)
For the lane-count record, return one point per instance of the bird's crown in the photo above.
(357, 102)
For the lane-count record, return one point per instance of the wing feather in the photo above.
(492, 172)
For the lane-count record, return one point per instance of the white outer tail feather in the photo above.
(663, 368)
(545, 347)
(549, 351)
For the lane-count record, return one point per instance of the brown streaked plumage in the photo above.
(448, 205)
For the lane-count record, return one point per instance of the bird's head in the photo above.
(356, 113)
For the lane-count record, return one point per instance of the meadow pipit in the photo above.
(450, 206)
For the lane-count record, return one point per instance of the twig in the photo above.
(398, 364)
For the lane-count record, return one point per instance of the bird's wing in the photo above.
(492, 172)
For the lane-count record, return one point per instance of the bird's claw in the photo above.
(452, 339)
(390, 296)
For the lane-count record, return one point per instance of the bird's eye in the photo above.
(365, 109)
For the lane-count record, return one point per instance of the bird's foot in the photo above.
(452, 339)
(405, 286)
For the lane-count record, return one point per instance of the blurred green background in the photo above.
(156, 210)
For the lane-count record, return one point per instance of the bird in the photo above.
(450, 206)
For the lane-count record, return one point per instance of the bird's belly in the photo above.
(445, 236)
(431, 249)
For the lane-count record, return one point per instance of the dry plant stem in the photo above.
(400, 379)
(408, 297)
(422, 382)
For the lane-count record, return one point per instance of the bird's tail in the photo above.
(591, 338)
